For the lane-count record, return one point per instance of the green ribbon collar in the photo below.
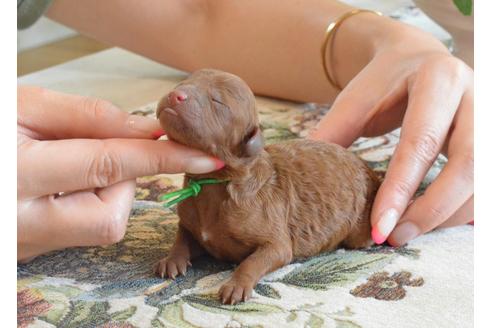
(193, 189)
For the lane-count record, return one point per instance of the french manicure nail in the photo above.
(385, 225)
(219, 164)
(404, 232)
(141, 123)
(199, 165)
(158, 133)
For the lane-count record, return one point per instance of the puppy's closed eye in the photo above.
(219, 102)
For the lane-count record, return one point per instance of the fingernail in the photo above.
(199, 165)
(158, 133)
(385, 225)
(141, 123)
(219, 164)
(404, 232)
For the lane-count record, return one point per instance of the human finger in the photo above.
(425, 127)
(365, 107)
(344, 123)
(78, 164)
(56, 115)
(78, 219)
(441, 200)
(452, 188)
(463, 215)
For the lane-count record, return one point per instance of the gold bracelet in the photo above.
(330, 31)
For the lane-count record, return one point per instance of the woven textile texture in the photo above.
(428, 283)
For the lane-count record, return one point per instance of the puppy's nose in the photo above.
(176, 96)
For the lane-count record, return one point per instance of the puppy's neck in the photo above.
(246, 176)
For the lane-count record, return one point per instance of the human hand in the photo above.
(413, 82)
(91, 152)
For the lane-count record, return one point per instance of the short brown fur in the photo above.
(289, 200)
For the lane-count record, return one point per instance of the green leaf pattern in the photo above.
(75, 307)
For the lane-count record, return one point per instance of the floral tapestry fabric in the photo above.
(428, 283)
(114, 286)
(383, 287)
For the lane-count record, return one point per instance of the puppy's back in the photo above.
(328, 191)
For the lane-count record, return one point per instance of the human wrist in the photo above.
(356, 42)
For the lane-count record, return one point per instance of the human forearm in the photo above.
(276, 49)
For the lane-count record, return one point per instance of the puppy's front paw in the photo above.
(171, 266)
(235, 291)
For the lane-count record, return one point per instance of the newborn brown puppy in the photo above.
(282, 201)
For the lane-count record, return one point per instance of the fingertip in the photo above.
(403, 233)
(337, 136)
(319, 132)
(314, 134)
(203, 164)
(158, 133)
(392, 242)
(377, 237)
(218, 164)
(144, 127)
(384, 225)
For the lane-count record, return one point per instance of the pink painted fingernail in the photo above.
(403, 233)
(158, 133)
(201, 164)
(377, 237)
(219, 164)
(385, 225)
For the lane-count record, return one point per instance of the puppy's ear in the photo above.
(253, 143)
